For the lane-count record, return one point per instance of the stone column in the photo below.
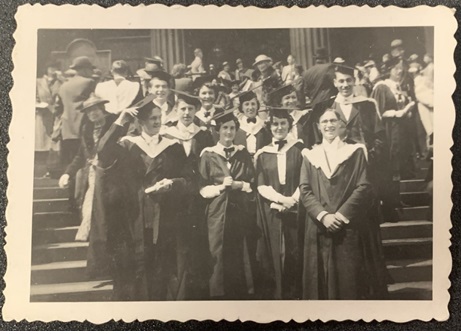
(169, 45)
(304, 42)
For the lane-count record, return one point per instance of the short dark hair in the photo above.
(248, 97)
(287, 116)
(219, 123)
(317, 119)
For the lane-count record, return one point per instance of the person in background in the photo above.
(397, 49)
(225, 73)
(298, 84)
(288, 72)
(145, 175)
(69, 103)
(278, 68)
(47, 90)
(265, 79)
(253, 133)
(182, 82)
(279, 247)
(235, 93)
(241, 70)
(341, 253)
(371, 71)
(196, 67)
(318, 80)
(394, 108)
(86, 173)
(120, 92)
(227, 175)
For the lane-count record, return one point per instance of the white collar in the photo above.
(335, 145)
(151, 151)
(273, 148)
(297, 114)
(150, 139)
(219, 149)
(344, 100)
(191, 128)
(251, 128)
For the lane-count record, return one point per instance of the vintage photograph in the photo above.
(234, 164)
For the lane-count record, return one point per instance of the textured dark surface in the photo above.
(7, 27)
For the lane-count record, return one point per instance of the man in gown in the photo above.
(341, 257)
(145, 175)
(194, 254)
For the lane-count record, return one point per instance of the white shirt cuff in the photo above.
(296, 195)
(321, 215)
(341, 217)
(246, 187)
(210, 191)
(269, 193)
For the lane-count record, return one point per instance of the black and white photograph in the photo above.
(233, 164)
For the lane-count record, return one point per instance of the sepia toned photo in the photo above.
(232, 167)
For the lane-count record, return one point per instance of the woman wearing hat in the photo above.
(86, 173)
(342, 259)
(146, 175)
(255, 135)
(286, 97)
(227, 174)
(395, 110)
(265, 77)
(278, 168)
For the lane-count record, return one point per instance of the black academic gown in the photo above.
(279, 249)
(194, 253)
(143, 229)
(200, 121)
(229, 224)
(347, 264)
(260, 133)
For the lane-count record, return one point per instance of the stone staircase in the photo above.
(58, 262)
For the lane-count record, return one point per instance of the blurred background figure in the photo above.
(196, 67)
(182, 82)
(225, 72)
(289, 71)
(120, 92)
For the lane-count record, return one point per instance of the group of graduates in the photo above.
(261, 196)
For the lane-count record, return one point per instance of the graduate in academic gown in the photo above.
(207, 92)
(279, 249)
(395, 112)
(253, 133)
(285, 97)
(146, 175)
(341, 254)
(194, 251)
(227, 175)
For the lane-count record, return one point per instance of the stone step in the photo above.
(415, 198)
(51, 205)
(413, 185)
(50, 193)
(59, 272)
(409, 248)
(411, 291)
(51, 235)
(45, 182)
(59, 252)
(54, 219)
(414, 213)
(406, 229)
(72, 292)
(410, 270)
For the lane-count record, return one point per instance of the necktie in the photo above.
(280, 143)
(228, 151)
(207, 114)
(251, 120)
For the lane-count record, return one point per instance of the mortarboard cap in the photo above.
(188, 98)
(279, 112)
(145, 110)
(275, 97)
(160, 74)
(247, 96)
(203, 80)
(344, 68)
(225, 116)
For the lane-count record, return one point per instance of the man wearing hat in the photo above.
(397, 49)
(120, 92)
(147, 175)
(194, 253)
(265, 78)
(318, 80)
(71, 96)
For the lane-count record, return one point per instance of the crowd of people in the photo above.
(261, 183)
